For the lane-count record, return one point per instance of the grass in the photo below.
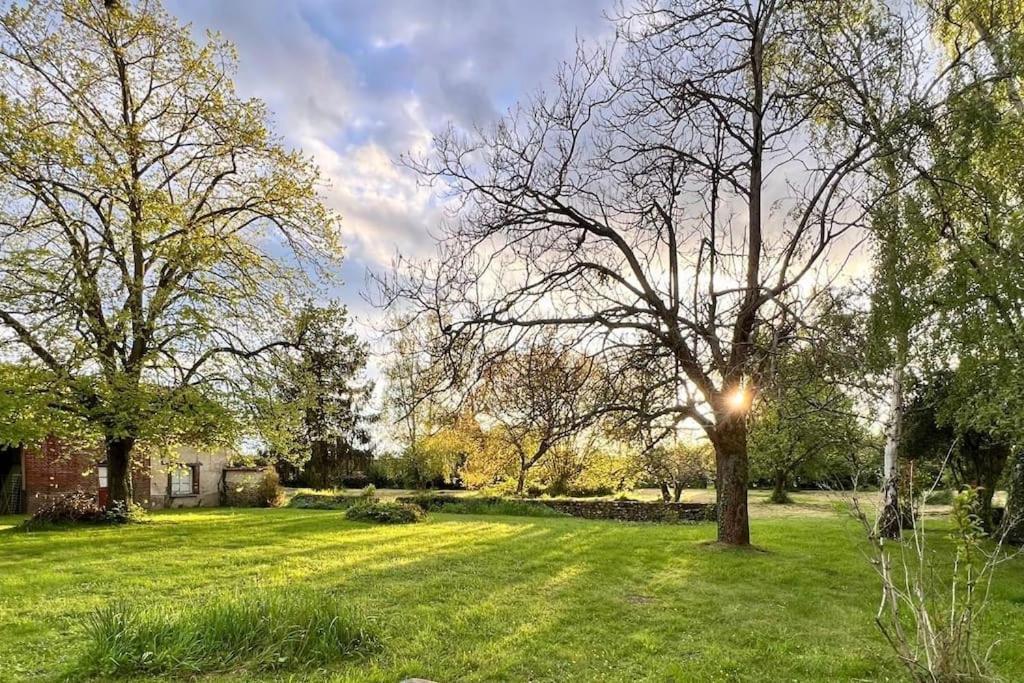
(489, 598)
(257, 631)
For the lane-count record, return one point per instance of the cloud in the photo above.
(358, 83)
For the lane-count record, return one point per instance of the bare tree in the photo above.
(663, 207)
(539, 399)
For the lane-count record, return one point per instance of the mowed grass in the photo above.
(491, 598)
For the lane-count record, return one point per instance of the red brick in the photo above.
(55, 469)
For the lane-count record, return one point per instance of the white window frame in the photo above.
(182, 480)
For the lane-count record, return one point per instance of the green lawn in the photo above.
(493, 598)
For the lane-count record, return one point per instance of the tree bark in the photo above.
(1013, 516)
(521, 479)
(730, 442)
(677, 491)
(890, 521)
(119, 469)
(779, 494)
(666, 495)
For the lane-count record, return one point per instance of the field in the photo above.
(487, 598)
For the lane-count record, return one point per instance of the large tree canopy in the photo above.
(668, 205)
(152, 229)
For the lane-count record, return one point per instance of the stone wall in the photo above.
(211, 465)
(634, 510)
(624, 510)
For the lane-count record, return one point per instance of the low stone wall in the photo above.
(624, 510)
(634, 510)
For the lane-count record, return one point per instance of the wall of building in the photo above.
(211, 465)
(55, 468)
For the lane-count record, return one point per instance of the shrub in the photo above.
(368, 492)
(258, 632)
(265, 493)
(389, 512)
(321, 501)
(77, 506)
(482, 505)
(939, 497)
(511, 508)
(120, 513)
(269, 493)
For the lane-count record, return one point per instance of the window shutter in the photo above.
(195, 477)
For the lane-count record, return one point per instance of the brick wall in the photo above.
(55, 468)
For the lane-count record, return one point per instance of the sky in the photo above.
(357, 83)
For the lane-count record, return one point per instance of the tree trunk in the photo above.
(677, 491)
(666, 495)
(730, 442)
(779, 494)
(1013, 516)
(890, 522)
(521, 480)
(119, 469)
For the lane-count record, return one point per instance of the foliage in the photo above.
(77, 506)
(586, 466)
(931, 605)
(120, 513)
(81, 507)
(384, 512)
(297, 629)
(269, 493)
(321, 501)
(805, 426)
(27, 397)
(415, 399)
(534, 401)
(675, 466)
(934, 437)
(324, 380)
(482, 505)
(440, 457)
(264, 492)
(145, 208)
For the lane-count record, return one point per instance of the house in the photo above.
(30, 476)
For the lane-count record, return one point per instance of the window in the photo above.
(102, 472)
(185, 480)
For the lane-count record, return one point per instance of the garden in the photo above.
(469, 597)
(668, 340)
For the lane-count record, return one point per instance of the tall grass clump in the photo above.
(263, 631)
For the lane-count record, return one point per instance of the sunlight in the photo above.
(739, 399)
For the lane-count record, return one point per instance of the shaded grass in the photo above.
(261, 631)
(490, 598)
